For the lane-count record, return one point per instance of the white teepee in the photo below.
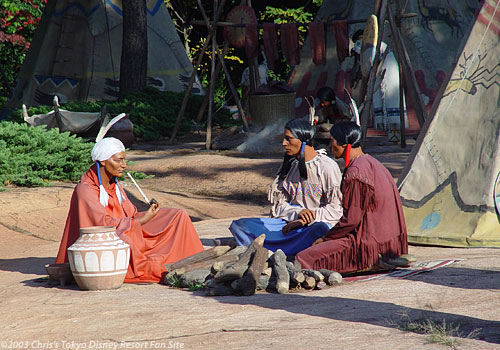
(75, 53)
(450, 187)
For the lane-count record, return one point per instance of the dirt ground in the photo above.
(215, 187)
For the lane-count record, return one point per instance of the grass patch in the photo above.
(437, 332)
(173, 280)
(197, 286)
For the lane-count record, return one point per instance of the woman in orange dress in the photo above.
(156, 237)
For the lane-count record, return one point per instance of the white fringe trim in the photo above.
(103, 196)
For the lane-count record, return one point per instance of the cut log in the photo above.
(211, 283)
(218, 266)
(207, 264)
(221, 262)
(237, 269)
(268, 271)
(332, 278)
(220, 290)
(192, 278)
(313, 273)
(309, 283)
(263, 282)
(271, 286)
(257, 242)
(237, 251)
(296, 275)
(231, 272)
(278, 260)
(201, 256)
(291, 267)
(248, 283)
(321, 285)
(297, 279)
(231, 256)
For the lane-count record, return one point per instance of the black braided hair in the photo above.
(304, 131)
(326, 93)
(357, 35)
(347, 133)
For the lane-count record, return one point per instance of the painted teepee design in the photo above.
(75, 53)
(450, 186)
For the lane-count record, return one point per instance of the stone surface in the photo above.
(354, 315)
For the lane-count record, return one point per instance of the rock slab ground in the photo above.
(215, 187)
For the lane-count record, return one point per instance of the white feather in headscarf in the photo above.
(103, 150)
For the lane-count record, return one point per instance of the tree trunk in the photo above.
(134, 59)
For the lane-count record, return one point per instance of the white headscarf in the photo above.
(106, 148)
(103, 150)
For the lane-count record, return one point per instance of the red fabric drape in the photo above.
(251, 40)
(290, 43)
(341, 39)
(317, 39)
(270, 39)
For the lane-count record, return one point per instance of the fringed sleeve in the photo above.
(358, 197)
(280, 206)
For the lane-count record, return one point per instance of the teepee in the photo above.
(76, 50)
(450, 186)
(432, 38)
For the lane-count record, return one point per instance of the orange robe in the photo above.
(167, 238)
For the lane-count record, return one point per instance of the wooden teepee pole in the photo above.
(222, 62)
(402, 106)
(217, 68)
(204, 104)
(402, 85)
(195, 69)
(208, 143)
(367, 110)
(233, 91)
(408, 72)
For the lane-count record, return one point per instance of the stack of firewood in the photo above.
(241, 271)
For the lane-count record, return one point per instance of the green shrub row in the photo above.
(33, 156)
(152, 112)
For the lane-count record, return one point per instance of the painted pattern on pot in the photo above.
(99, 258)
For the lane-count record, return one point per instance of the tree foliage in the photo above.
(183, 12)
(18, 21)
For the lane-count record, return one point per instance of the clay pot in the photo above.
(99, 258)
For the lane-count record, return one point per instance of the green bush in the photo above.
(152, 112)
(32, 156)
